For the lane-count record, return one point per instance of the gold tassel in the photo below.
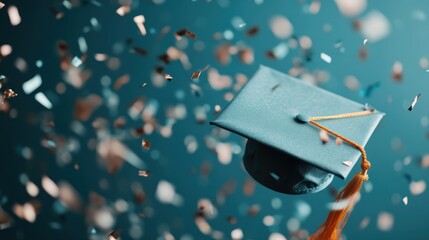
(337, 219)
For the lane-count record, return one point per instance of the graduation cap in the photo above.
(283, 119)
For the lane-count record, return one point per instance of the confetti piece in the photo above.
(139, 51)
(348, 163)
(32, 84)
(143, 85)
(385, 221)
(196, 75)
(338, 141)
(9, 93)
(397, 71)
(375, 26)
(364, 223)
(246, 55)
(275, 87)
(42, 99)
(139, 20)
(416, 98)
(368, 107)
(252, 31)
(335, 206)
(279, 52)
(237, 234)
(1, 5)
(231, 219)
(76, 62)
(146, 144)
(50, 187)
(123, 10)
(166, 193)
(185, 32)
(32, 189)
(115, 235)
(351, 8)
(417, 187)
(84, 107)
(83, 47)
(57, 14)
(167, 76)
(324, 136)
(405, 200)
(325, 57)
(5, 50)
(367, 91)
(144, 173)
(217, 109)
(365, 41)
(281, 27)
(278, 236)
(14, 17)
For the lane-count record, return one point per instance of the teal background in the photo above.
(36, 37)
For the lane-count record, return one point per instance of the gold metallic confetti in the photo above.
(167, 76)
(196, 75)
(123, 10)
(144, 173)
(9, 93)
(146, 144)
(187, 33)
(416, 98)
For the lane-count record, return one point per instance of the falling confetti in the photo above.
(187, 33)
(325, 57)
(115, 235)
(348, 163)
(324, 136)
(9, 93)
(167, 76)
(385, 221)
(1, 5)
(416, 98)
(144, 173)
(139, 20)
(405, 200)
(14, 17)
(146, 144)
(367, 91)
(32, 84)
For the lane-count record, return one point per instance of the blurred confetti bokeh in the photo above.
(105, 107)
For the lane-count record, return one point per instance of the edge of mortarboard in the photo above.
(218, 121)
(262, 68)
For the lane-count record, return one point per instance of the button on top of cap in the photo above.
(302, 118)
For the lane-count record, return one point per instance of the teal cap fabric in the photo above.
(284, 152)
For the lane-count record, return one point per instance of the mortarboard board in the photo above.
(282, 117)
